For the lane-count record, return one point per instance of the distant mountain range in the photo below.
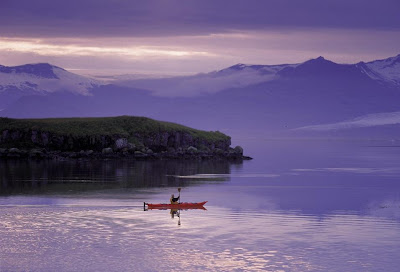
(241, 99)
(242, 75)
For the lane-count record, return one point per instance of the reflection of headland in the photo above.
(19, 176)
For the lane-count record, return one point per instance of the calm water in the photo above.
(298, 206)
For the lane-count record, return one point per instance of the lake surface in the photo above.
(298, 206)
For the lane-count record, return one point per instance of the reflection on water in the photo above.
(119, 239)
(293, 208)
(177, 212)
(39, 176)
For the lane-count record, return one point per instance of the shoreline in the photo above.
(106, 154)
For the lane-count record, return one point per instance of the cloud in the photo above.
(355, 170)
(369, 120)
(47, 49)
(118, 18)
(200, 84)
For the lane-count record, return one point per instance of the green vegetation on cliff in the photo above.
(123, 126)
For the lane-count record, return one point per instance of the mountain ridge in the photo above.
(238, 75)
(243, 98)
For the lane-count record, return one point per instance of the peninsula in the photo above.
(111, 137)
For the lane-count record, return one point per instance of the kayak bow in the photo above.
(184, 205)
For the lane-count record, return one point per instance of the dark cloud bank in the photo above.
(49, 18)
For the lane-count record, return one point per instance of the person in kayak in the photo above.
(174, 200)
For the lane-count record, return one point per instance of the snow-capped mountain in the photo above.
(386, 69)
(40, 79)
(44, 78)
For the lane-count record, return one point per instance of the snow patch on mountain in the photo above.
(74, 82)
(365, 69)
(369, 120)
(262, 69)
(387, 69)
(236, 76)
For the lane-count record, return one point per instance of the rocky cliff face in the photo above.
(164, 140)
(157, 142)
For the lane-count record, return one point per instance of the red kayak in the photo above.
(184, 205)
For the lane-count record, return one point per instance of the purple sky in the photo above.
(187, 36)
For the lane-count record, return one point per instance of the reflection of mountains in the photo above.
(76, 176)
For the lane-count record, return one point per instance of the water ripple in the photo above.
(120, 238)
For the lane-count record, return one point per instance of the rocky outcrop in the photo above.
(157, 142)
(107, 150)
(238, 150)
(121, 143)
(164, 145)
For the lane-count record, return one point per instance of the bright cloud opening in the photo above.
(47, 49)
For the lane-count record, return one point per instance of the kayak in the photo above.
(184, 205)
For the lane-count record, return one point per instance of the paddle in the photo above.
(179, 215)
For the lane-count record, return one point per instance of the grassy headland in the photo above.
(110, 136)
(124, 126)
